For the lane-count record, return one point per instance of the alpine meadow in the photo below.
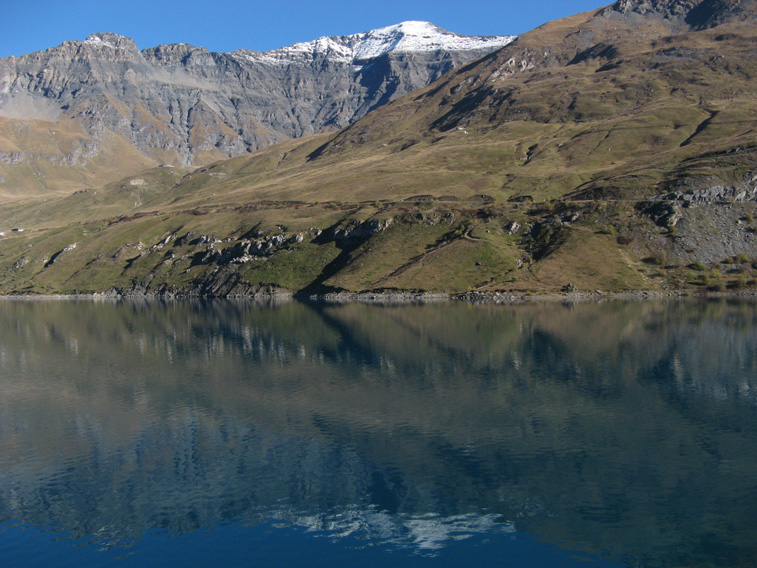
(610, 151)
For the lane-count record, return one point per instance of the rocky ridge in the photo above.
(184, 105)
(697, 14)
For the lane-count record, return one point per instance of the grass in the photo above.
(586, 136)
(590, 262)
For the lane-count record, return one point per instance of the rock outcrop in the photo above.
(697, 14)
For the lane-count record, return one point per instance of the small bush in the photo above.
(607, 230)
(715, 285)
(698, 266)
(623, 240)
(742, 258)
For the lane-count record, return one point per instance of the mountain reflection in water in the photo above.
(624, 430)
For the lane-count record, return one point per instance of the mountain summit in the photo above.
(697, 14)
(112, 41)
(669, 8)
(406, 37)
(95, 110)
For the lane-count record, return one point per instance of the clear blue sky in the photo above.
(226, 25)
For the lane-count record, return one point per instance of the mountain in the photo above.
(89, 112)
(613, 150)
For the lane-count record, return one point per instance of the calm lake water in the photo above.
(240, 434)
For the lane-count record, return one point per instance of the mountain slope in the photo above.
(611, 150)
(89, 112)
(587, 107)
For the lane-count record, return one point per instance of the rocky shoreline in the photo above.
(516, 298)
(407, 298)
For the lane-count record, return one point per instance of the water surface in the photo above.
(618, 434)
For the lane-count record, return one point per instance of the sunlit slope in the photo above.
(86, 113)
(529, 170)
(43, 159)
(612, 116)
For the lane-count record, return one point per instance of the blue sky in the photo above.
(225, 25)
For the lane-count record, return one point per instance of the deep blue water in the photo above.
(240, 434)
(276, 545)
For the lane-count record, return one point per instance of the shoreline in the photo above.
(407, 298)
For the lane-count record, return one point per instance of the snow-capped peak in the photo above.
(108, 39)
(412, 36)
(416, 36)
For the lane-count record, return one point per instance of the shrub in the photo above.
(623, 240)
(715, 285)
(607, 230)
(657, 258)
(742, 258)
(698, 266)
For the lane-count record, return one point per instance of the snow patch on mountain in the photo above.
(407, 37)
(331, 47)
(98, 40)
(111, 41)
(421, 36)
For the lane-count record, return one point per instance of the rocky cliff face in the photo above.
(184, 105)
(697, 14)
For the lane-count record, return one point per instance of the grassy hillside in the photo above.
(528, 171)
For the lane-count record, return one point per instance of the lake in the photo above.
(141, 433)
